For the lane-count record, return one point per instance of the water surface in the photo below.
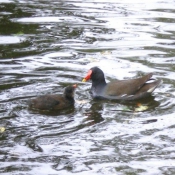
(45, 46)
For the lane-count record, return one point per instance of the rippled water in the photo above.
(47, 45)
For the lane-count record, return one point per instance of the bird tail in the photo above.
(154, 85)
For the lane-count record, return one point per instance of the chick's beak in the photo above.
(75, 85)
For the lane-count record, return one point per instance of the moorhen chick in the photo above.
(54, 102)
(131, 89)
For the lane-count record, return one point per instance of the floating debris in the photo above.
(140, 108)
(107, 52)
(2, 129)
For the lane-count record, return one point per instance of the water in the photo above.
(45, 46)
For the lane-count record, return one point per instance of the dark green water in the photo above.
(47, 45)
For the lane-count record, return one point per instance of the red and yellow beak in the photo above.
(88, 76)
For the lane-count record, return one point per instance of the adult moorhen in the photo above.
(132, 89)
(54, 102)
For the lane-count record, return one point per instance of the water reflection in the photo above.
(94, 114)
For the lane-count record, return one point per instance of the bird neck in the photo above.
(97, 87)
(70, 98)
(99, 82)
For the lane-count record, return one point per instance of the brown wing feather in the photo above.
(129, 87)
(48, 102)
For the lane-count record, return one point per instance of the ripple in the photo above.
(5, 1)
(48, 19)
(11, 39)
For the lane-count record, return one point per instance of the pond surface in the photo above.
(47, 45)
